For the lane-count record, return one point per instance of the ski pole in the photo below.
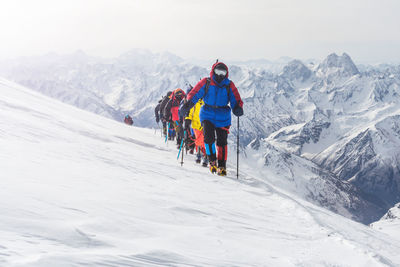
(237, 150)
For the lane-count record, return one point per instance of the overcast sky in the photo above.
(368, 30)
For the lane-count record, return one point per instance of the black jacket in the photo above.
(157, 111)
(162, 107)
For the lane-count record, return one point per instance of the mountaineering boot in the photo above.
(205, 161)
(213, 166)
(198, 158)
(221, 171)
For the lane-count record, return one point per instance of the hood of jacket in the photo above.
(212, 71)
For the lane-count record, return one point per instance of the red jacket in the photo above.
(172, 107)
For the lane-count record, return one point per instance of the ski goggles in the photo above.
(220, 72)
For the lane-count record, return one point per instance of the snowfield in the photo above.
(390, 222)
(78, 189)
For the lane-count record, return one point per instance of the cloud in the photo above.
(210, 28)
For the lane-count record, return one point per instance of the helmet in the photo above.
(178, 90)
(179, 94)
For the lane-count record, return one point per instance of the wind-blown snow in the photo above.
(78, 189)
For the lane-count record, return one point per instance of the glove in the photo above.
(186, 108)
(157, 119)
(238, 111)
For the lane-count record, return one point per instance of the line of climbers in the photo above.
(202, 117)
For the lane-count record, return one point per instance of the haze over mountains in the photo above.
(329, 123)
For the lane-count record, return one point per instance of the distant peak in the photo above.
(170, 56)
(296, 62)
(332, 57)
(343, 64)
(296, 70)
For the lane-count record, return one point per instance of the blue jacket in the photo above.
(215, 108)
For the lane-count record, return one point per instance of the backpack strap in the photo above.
(208, 81)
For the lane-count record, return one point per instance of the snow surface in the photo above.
(390, 222)
(78, 189)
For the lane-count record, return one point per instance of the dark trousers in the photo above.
(164, 125)
(210, 131)
(188, 134)
(179, 131)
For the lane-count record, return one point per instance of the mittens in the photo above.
(238, 111)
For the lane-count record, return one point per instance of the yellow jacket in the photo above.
(194, 115)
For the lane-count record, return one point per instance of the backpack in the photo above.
(227, 87)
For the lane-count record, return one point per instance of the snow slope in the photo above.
(78, 189)
(390, 222)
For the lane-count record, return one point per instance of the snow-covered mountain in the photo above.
(131, 83)
(331, 117)
(78, 189)
(348, 124)
(345, 121)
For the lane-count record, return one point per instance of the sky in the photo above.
(368, 30)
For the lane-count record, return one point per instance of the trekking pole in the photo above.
(237, 150)
(185, 134)
(180, 149)
(166, 137)
(184, 142)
